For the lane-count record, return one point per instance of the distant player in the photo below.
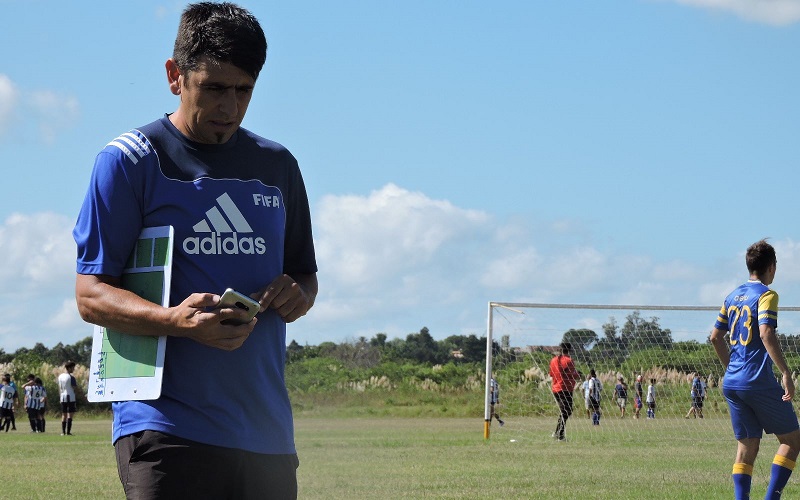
(32, 402)
(651, 399)
(638, 396)
(621, 395)
(16, 400)
(42, 405)
(585, 389)
(66, 387)
(494, 399)
(564, 377)
(595, 392)
(697, 394)
(8, 395)
(756, 400)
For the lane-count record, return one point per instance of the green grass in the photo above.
(391, 457)
(78, 466)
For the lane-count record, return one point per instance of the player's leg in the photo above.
(64, 410)
(781, 420)
(742, 473)
(564, 400)
(32, 414)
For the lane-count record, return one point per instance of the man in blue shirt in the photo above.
(756, 400)
(222, 427)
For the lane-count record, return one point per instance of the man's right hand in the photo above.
(198, 318)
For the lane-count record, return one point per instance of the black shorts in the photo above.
(697, 402)
(68, 407)
(594, 404)
(6, 413)
(154, 465)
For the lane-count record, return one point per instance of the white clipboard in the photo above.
(130, 367)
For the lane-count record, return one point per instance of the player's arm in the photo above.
(721, 346)
(773, 346)
(102, 301)
(290, 296)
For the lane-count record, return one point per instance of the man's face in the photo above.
(214, 99)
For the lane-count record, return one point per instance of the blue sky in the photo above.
(454, 152)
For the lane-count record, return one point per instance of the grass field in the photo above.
(389, 458)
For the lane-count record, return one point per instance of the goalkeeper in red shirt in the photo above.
(565, 376)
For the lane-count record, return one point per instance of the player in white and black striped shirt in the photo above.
(31, 402)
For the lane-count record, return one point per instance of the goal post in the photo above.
(666, 344)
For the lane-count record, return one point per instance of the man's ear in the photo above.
(173, 76)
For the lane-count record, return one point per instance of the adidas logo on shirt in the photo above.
(224, 226)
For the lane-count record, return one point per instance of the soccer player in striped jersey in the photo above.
(8, 394)
(32, 402)
(42, 404)
(756, 400)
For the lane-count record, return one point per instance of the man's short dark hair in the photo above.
(69, 364)
(223, 32)
(566, 347)
(760, 256)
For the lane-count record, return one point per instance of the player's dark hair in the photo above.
(760, 256)
(224, 32)
(38, 381)
(69, 364)
(566, 347)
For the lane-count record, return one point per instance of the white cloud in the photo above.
(773, 12)
(364, 240)
(8, 102)
(37, 279)
(67, 316)
(47, 111)
(38, 252)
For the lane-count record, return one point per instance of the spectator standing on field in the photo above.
(223, 426)
(564, 378)
(757, 402)
(651, 399)
(621, 395)
(67, 386)
(494, 399)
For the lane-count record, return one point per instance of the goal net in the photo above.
(667, 346)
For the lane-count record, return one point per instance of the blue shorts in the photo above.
(756, 411)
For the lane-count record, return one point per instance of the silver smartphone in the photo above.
(235, 300)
